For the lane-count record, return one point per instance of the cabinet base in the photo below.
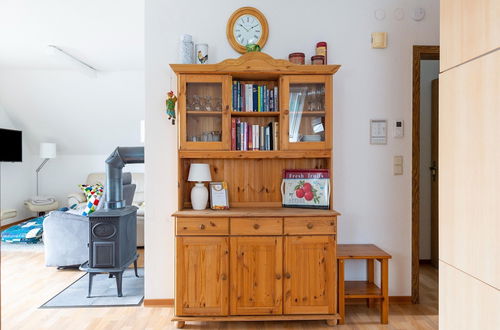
(331, 319)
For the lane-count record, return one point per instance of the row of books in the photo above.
(245, 136)
(254, 98)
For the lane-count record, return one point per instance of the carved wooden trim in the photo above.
(254, 62)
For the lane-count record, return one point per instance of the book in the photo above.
(261, 138)
(275, 136)
(233, 133)
(238, 135)
(276, 99)
(249, 138)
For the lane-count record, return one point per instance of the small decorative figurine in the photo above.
(170, 102)
(252, 48)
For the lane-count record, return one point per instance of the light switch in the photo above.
(379, 40)
(398, 165)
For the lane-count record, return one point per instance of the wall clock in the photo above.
(247, 25)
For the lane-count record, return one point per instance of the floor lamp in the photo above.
(47, 151)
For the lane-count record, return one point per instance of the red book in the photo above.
(233, 134)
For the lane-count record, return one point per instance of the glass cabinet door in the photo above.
(203, 107)
(307, 118)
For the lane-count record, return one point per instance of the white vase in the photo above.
(199, 196)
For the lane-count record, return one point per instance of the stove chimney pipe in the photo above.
(114, 165)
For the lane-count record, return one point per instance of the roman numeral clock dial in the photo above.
(246, 26)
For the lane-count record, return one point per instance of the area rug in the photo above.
(103, 292)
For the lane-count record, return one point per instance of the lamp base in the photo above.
(199, 196)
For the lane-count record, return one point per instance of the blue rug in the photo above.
(104, 292)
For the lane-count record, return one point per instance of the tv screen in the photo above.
(12, 145)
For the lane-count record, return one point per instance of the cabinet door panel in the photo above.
(310, 275)
(202, 276)
(256, 275)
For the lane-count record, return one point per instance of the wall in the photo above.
(372, 84)
(429, 71)
(469, 156)
(16, 179)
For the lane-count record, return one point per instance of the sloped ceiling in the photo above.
(49, 98)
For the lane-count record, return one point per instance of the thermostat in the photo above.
(399, 129)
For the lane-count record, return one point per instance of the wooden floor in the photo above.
(26, 284)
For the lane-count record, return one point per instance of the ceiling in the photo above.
(49, 97)
(108, 34)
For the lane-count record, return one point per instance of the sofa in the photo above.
(66, 235)
(137, 201)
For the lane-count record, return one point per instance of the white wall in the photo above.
(372, 84)
(429, 71)
(17, 179)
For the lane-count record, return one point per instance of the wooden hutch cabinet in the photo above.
(257, 260)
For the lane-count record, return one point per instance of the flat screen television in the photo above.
(12, 145)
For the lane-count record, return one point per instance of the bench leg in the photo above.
(341, 295)
(370, 274)
(384, 275)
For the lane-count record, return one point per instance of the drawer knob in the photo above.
(278, 276)
(287, 275)
(310, 225)
(224, 277)
(256, 226)
(202, 226)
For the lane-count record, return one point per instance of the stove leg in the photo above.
(91, 276)
(135, 268)
(118, 276)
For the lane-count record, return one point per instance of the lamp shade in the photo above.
(47, 150)
(199, 173)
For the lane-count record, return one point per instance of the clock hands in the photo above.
(253, 27)
(243, 27)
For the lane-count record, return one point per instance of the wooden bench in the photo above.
(364, 289)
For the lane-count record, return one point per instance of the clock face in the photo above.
(247, 30)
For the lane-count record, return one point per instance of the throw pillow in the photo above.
(93, 194)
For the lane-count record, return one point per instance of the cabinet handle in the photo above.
(278, 276)
(224, 277)
(310, 225)
(202, 226)
(287, 275)
(256, 226)
(285, 112)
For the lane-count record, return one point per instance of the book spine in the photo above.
(254, 98)
(271, 145)
(235, 96)
(256, 133)
(276, 99)
(259, 98)
(238, 135)
(275, 136)
(262, 140)
(233, 134)
(271, 100)
(266, 99)
(249, 137)
(238, 93)
(249, 95)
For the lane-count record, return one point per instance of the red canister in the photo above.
(321, 49)
(318, 60)
(297, 58)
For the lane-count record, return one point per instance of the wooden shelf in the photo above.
(204, 113)
(278, 154)
(255, 114)
(362, 289)
(257, 212)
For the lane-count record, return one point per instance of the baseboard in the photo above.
(158, 302)
(15, 223)
(396, 300)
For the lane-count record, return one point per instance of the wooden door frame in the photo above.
(419, 53)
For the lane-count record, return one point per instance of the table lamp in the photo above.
(199, 194)
(47, 151)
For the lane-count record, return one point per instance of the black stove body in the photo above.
(113, 238)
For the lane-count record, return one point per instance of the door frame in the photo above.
(419, 53)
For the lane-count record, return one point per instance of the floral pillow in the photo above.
(94, 194)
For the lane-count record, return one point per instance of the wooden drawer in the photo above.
(309, 225)
(256, 226)
(202, 226)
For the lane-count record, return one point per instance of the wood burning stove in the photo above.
(112, 230)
